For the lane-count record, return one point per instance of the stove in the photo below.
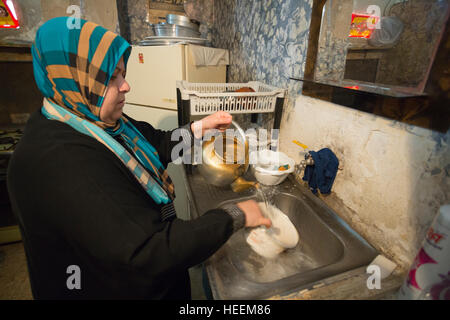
(8, 140)
(9, 231)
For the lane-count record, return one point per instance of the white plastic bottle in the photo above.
(429, 276)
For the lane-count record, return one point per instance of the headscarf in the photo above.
(72, 68)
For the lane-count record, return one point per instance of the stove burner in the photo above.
(9, 139)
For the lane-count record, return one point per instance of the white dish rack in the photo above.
(207, 98)
(195, 99)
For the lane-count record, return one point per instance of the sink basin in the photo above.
(318, 246)
(327, 245)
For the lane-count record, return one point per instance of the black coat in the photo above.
(77, 204)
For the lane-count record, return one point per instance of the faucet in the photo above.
(309, 161)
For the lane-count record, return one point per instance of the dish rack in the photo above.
(207, 98)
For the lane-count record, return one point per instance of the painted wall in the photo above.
(392, 179)
(393, 176)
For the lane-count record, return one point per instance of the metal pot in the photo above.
(224, 160)
(181, 21)
(173, 30)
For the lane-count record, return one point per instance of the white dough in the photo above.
(271, 242)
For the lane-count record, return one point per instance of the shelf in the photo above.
(360, 86)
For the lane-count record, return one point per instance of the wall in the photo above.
(19, 94)
(393, 176)
(134, 19)
(392, 179)
(333, 41)
(360, 6)
(267, 42)
(29, 13)
(135, 16)
(417, 42)
(32, 14)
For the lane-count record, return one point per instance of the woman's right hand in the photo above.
(253, 214)
(220, 120)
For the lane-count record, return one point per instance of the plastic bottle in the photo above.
(429, 276)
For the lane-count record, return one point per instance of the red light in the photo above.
(353, 87)
(8, 17)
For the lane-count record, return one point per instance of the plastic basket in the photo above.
(207, 98)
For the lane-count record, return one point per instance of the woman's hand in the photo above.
(253, 215)
(220, 120)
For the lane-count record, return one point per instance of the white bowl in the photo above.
(262, 160)
(271, 242)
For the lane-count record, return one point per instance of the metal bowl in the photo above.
(173, 30)
(181, 21)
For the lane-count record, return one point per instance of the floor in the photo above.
(15, 284)
(14, 281)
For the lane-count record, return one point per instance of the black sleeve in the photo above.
(109, 219)
(162, 140)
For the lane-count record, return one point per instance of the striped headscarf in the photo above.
(72, 68)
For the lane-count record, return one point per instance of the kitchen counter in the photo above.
(351, 284)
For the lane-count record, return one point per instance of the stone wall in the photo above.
(32, 14)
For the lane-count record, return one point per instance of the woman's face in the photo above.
(112, 107)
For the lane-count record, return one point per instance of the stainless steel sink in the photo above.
(327, 246)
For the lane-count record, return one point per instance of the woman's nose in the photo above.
(125, 87)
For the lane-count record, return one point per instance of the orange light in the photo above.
(353, 87)
(8, 16)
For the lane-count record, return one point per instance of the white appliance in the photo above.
(152, 72)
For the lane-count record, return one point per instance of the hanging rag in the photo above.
(321, 175)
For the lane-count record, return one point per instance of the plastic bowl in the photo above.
(262, 162)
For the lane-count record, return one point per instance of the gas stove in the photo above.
(9, 230)
(8, 140)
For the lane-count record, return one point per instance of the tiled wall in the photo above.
(394, 176)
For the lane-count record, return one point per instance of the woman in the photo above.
(89, 185)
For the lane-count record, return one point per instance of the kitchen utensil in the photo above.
(266, 166)
(271, 242)
(181, 21)
(304, 146)
(172, 30)
(166, 41)
(225, 160)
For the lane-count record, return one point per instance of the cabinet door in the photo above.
(152, 72)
